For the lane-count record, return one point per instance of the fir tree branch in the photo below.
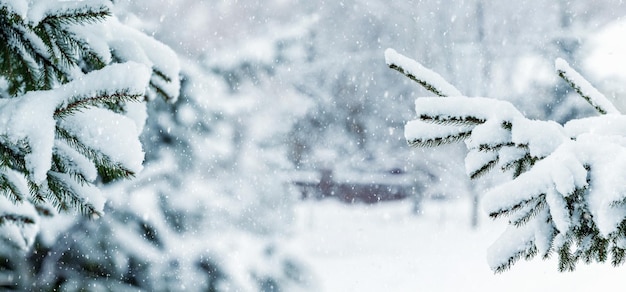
(12, 156)
(553, 235)
(574, 232)
(68, 48)
(617, 250)
(596, 99)
(495, 147)
(618, 203)
(37, 195)
(521, 165)
(19, 72)
(91, 59)
(412, 69)
(80, 16)
(78, 103)
(516, 207)
(9, 16)
(618, 255)
(449, 120)
(161, 75)
(31, 60)
(432, 142)
(19, 220)
(421, 82)
(159, 91)
(529, 211)
(107, 168)
(528, 253)
(10, 190)
(567, 261)
(484, 169)
(62, 45)
(159, 87)
(64, 197)
(597, 249)
(59, 164)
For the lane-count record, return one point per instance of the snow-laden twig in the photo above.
(600, 102)
(420, 74)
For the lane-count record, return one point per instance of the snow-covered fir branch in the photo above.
(566, 195)
(75, 115)
(600, 102)
(420, 74)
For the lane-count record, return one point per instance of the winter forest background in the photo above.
(277, 96)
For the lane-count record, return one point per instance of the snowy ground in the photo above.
(385, 248)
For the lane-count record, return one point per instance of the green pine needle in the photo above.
(433, 142)
(484, 169)
(567, 261)
(527, 254)
(494, 147)
(617, 255)
(531, 210)
(102, 98)
(65, 198)
(448, 120)
(421, 82)
(107, 168)
(519, 206)
(86, 15)
(10, 190)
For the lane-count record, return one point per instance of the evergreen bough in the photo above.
(64, 103)
(566, 196)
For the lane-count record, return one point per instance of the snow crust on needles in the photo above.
(29, 121)
(584, 154)
(597, 99)
(567, 151)
(108, 38)
(36, 11)
(559, 174)
(112, 37)
(416, 69)
(18, 125)
(494, 113)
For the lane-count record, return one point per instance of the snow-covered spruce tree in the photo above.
(69, 117)
(566, 196)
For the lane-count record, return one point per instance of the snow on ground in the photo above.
(385, 248)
